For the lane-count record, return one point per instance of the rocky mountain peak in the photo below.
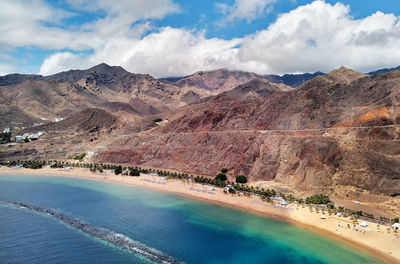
(101, 66)
(341, 75)
(105, 68)
(344, 75)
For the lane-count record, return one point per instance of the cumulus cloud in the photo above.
(121, 14)
(317, 36)
(313, 37)
(22, 23)
(61, 61)
(37, 23)
(245, 9)
(320, 36)
(169, 52)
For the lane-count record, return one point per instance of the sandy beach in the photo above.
(373, 238)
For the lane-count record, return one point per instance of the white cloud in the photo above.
(149, 9)
(61, 61)
(245, 9)
(6, 68)
(22, 23)
(320, 36)
(36, 23)
(169, 52)
(121, 14)
(317, 36)
(174, 52)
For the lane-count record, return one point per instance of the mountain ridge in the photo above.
(333, 132)
(293, 80)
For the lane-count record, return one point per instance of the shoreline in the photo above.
(384, 245)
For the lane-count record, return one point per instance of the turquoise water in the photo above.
(187, 230)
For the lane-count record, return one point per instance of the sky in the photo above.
(167, 38)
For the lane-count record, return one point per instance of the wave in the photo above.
(103, 234)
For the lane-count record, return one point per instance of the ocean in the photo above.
(73, 220)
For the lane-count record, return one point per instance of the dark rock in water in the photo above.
(106, 235)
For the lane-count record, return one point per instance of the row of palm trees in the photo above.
(265, 194)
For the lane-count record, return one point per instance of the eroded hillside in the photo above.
(335, 130)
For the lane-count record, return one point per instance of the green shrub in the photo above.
(5, 137)
(318, 199)
(80, 156)
(32, 165)
(56, 165)
(134, 172)
(158, 119)
(224, 170)
(118, 170)
(241, 179)
(221, 177)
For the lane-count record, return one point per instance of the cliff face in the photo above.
(336, 130)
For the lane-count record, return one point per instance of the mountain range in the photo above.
(336, 132)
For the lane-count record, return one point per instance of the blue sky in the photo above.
(179, 37)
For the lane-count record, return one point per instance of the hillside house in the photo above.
(30, 136)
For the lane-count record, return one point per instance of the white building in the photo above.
(58, 119)
(35, 135)
(7, 130)
(396, 226)
(31, 136)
